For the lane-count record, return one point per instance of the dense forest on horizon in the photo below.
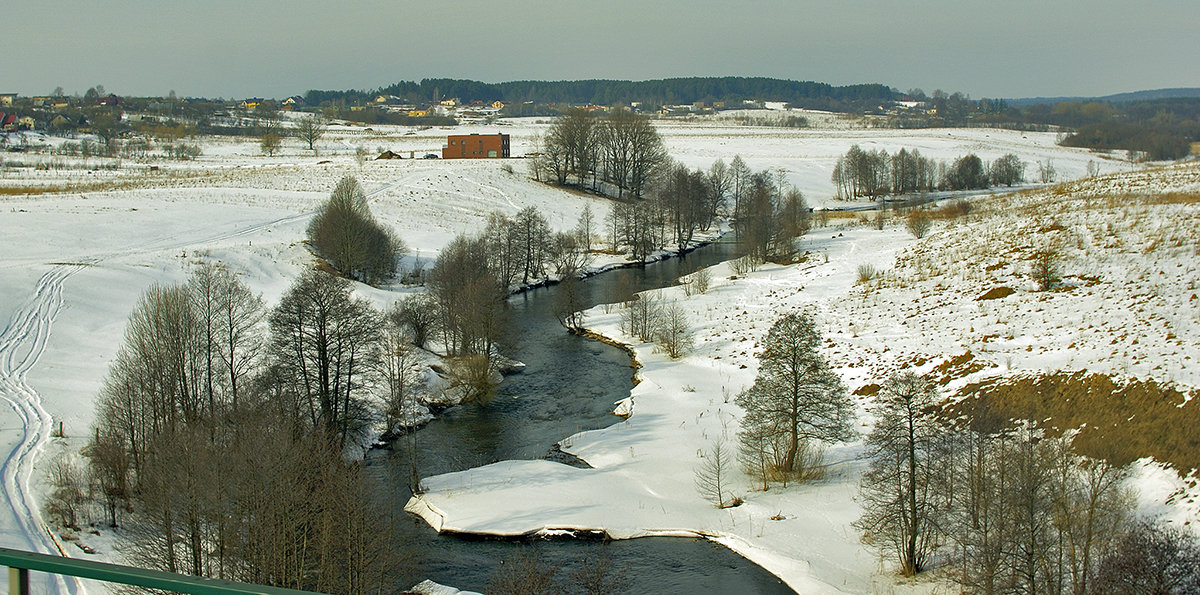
(611, 92)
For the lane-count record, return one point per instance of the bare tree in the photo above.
(569, 304)
(632, 150)
(324, 343)
(641, 315)
(270, 143)
(672, 331)
(701, 279)
(346, 234)
(470, 299)
(311, 128)
(67, 496)
(899, 492)
(586, 227)
(713, 476)
(418, 315)
(1007, 170)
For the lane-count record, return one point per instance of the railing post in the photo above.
(18, 581)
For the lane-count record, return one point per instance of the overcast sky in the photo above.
(220, 48)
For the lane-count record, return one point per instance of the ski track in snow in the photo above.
(21, 345)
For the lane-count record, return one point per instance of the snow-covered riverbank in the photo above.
(922, 310)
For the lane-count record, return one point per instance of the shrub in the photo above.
(745, 264)
(1045, 268)
(701, 280)
(866, 272)
(918, 224)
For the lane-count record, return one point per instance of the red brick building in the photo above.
(475, 146)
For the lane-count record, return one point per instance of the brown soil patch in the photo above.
(996, 293)
(1117, 422)
(867, 390)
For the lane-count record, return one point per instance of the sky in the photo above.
(270, 48)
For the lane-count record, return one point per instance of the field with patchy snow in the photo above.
(76, 258)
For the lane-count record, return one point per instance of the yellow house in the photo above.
(418, 113)
(498, 104)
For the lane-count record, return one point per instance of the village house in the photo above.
(476, 146)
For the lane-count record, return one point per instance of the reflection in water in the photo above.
(569, 385)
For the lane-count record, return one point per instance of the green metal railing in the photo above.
(19, 564)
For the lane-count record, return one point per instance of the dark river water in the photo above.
(569, 385)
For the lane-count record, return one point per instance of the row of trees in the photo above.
(1011, 508)
(620, 150)
(864, 173)
(685, 90)
(1005, 508)
(769, 213)
(210, 388)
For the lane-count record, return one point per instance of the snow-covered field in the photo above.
(923, 309)
(74, 263)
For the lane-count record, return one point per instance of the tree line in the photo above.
(613, 92)
(1006, 508)
(865, 173)
(209, 388)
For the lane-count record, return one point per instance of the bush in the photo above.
(1152, 558)
(701, 280)
(866, 272)
(1045, 268)
(745, 264)
(918, 224)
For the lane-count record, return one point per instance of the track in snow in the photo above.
(21, 345)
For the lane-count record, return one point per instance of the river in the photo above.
(569, 385)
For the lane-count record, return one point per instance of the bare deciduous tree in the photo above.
(713, 476)
(311, 128)
(347, 235)
(324, 342)
(900, 492)
(270, 143)
(672, 332)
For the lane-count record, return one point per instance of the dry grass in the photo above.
(1117, 422)
(97, 186)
